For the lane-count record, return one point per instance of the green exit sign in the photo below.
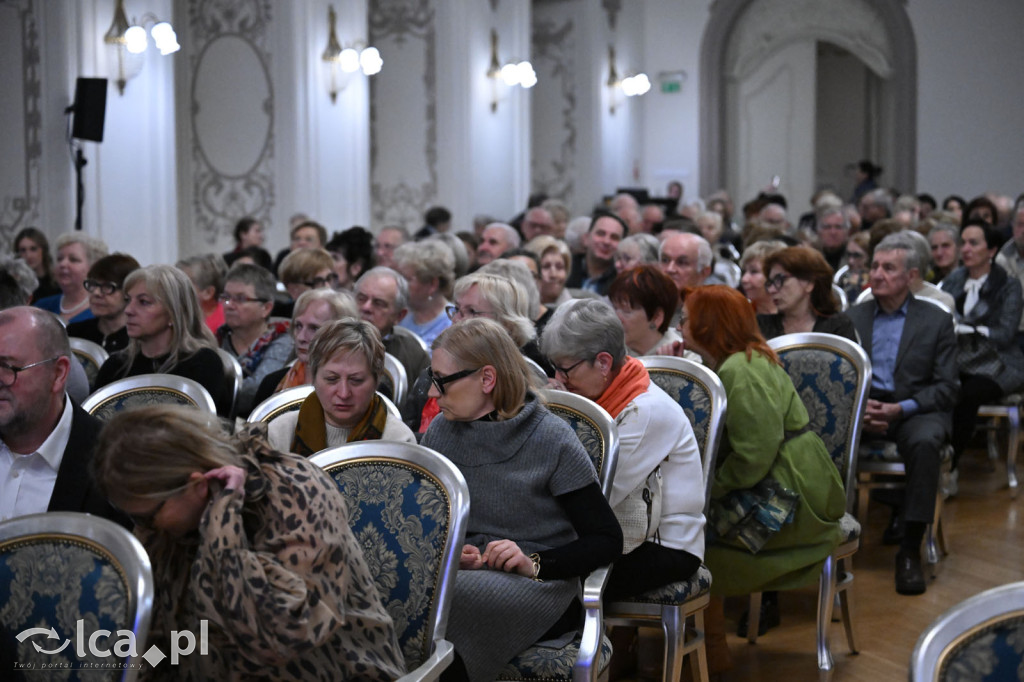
(669, 87)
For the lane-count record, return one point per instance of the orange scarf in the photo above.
(295, 376)
(631, 381)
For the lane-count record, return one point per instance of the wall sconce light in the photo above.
(342, 63)
(126, 43)
(511, 74)
(630, 86)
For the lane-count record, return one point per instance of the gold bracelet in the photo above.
(535, 558)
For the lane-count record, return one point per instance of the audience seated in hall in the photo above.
(253, 542)
(76, 252)
(261, 346)
(105, 284)
(167, 334)
(554, 526)
(47, 439)
(346, 363)
(313, 309)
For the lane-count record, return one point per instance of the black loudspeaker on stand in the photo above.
(89, 111)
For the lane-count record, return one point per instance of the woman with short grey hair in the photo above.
(586, 343)
(634, 250)
(429, 267)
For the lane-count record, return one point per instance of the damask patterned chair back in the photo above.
(593, 426)
(408, 507)
(832, 375)
(61, 568)
(147, 389)
(233, 375)
(701, 394)
(283, 401)
(979, 640)
(90, 356)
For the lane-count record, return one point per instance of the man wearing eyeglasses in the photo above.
(46, 440)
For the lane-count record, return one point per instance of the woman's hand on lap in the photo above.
(470, 560)
(505, 555)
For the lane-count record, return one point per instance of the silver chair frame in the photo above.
(399, 381)
(112, 539)
(193, 390)
(232, 372)
(448, 475)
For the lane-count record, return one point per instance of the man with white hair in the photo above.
(496, 240)
(382, 296)
(686, 258)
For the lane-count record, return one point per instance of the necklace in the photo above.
(78, 306)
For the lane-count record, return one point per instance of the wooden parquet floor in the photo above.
(985, 537)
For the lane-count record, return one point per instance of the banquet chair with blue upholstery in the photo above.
(832, 375)
(407, 507)
(978, 639)
(587, 656)
(147, 389)
(90, 355)
(61, 568)
(701, 394)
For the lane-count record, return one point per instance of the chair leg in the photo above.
(845, 603)
(754, 617)
(673, 623)
(826, 595)
(1013, 438)
(992, 440)
(699, 656)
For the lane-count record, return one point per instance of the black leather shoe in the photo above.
(894, 533)
(769, 619)
(909, 576)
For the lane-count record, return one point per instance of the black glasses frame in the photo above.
(565, 370)
(105, 288)
(440, 382)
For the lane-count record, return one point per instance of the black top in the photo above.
(90, 331)
(204, 366)
(47, 287)
(839, 324)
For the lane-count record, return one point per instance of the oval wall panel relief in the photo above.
(231, 106)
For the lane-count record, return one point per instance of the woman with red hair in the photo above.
(776, 496)
(799, 283)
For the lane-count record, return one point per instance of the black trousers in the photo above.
(975, 390)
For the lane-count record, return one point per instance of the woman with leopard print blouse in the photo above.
(253, 541)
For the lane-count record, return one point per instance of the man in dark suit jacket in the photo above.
(914, 387)
(46, 441)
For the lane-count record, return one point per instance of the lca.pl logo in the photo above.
(183, 643)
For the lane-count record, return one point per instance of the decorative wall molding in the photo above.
(232, 161)
(611, 10)
(19, 209)
(769, 25)
(553, 48)
(403, 200)
(896, 32)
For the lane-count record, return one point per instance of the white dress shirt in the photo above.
(27, 480)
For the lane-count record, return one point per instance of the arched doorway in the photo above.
(759, 90)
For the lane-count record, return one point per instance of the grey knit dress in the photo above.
(515, 469)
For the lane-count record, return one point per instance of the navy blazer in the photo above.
(926, 368)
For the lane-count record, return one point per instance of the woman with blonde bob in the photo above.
(346, 361)
(76, 252)
(253, 542)
(538, 521)
(167, 334)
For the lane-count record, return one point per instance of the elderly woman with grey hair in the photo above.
(429, 268)
(76, 253)
(346, 361)
(636, 249)
(586, 344)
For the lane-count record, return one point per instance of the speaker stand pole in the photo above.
(80, 187)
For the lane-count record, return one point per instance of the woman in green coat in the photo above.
(776, 496)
